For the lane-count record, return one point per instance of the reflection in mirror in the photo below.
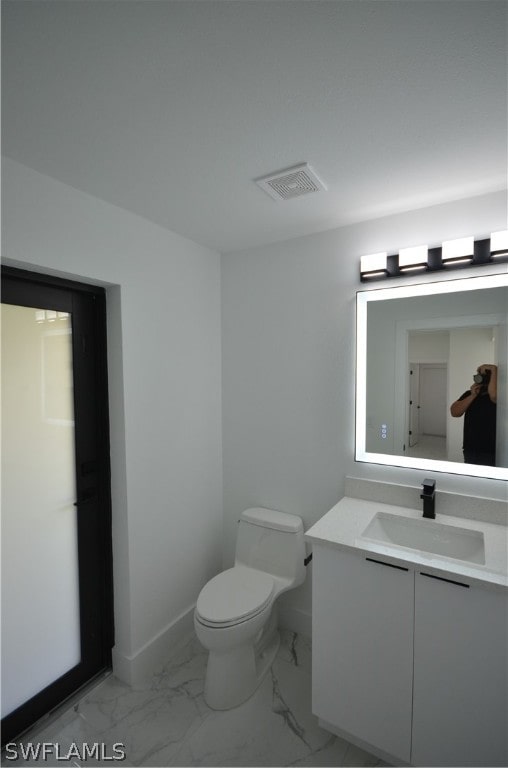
(418, 349)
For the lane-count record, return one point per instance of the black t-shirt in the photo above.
(480, 424)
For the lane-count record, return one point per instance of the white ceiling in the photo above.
(170, 109)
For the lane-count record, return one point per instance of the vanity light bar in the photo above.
(457, 250)
(499, 244)
(452, 254)
(413, 258)
(374, 265)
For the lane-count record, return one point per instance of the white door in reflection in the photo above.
(40, 588)
(433, 400)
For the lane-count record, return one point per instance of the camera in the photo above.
(482, 378)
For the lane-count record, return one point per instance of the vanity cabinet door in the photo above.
(363, 648)
(460, 714)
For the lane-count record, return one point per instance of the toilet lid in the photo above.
(234, 595)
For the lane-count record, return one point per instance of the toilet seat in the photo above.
(234, 596)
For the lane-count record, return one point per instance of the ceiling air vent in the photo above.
(291, 182)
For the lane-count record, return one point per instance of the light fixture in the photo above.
(452, 254)
(373, 265)
(460, 250)
(413, 258)
(499, 244)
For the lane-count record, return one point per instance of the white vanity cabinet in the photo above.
(413, 666)
(460, 713)
(362, 648)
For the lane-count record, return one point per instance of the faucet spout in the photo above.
(428, 496)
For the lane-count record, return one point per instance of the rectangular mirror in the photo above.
(418, 347)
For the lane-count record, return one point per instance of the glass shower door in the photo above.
(40, 585)
(57, 596)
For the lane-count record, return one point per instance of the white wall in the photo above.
(428, 346)
(288, 337)
(288, 343)
(165, 395)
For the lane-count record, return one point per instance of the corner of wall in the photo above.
(138, 669)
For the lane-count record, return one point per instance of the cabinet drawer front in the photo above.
(363, 648)
(460, 674)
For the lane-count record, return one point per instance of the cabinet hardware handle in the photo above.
(388, 565)
(440, 578)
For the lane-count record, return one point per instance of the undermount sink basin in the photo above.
(427, 536)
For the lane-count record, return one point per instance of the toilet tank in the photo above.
(273, 542)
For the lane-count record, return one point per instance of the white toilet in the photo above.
(235, 615)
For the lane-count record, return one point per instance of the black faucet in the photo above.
(429, 489)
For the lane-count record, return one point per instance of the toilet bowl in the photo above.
(235, 616)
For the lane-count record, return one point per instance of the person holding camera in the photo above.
(478, 406)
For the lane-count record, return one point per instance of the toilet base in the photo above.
(232, 677)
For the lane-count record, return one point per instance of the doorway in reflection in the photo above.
(431, 431)
(428, 353)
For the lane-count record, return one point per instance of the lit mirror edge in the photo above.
(406, 291)
(432, 465)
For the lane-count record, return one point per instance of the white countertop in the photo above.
(343, 525)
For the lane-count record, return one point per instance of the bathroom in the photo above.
(231, 368)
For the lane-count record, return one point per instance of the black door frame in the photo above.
(87, 306)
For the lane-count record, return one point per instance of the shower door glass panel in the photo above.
(40, 588)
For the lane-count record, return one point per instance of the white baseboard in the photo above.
(138, 669)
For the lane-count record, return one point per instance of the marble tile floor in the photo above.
(429, 447)
(167, 723)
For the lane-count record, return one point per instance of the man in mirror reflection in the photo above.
(478, 406)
